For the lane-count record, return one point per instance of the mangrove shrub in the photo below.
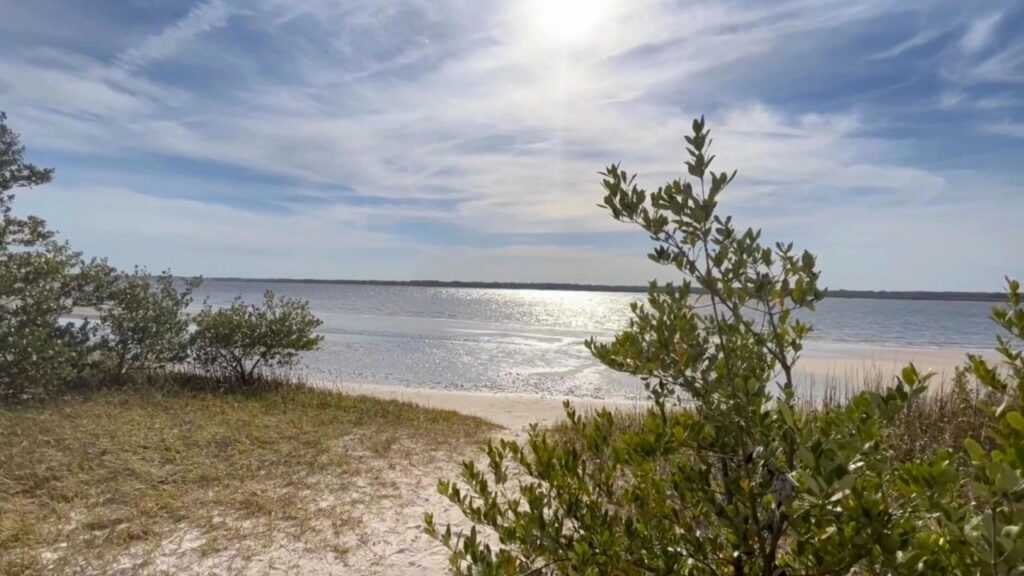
(729, 472)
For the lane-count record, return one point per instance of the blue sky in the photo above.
(460, 139)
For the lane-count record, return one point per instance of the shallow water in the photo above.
(532, 340)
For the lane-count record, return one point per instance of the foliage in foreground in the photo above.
(994, 527)
(743, 480)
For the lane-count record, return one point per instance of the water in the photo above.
(532, 340)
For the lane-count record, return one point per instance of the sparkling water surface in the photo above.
(532, 340)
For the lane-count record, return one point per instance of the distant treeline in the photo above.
(874, 294)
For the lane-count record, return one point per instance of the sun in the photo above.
(568, 21)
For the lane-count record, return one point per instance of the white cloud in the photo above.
(388, 137)
(195, 237)
(915, 41)
(794, 157)
(78, 88)
(1006, 65)
(982, 57)
(979, 33)
(204, 16)
(1007, 128)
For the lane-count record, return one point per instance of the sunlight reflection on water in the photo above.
(532, 340)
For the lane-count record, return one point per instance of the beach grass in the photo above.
(104, 480)
(941, 419)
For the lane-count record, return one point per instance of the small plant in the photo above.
(144, 322)
(242, 340)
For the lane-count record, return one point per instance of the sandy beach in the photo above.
(849, 364)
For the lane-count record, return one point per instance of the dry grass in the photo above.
(104, 479)
(941, 419)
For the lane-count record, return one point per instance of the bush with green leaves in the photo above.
(727, 472)
(989, 529)
(41, 281)
(243, 340)
(143, 323)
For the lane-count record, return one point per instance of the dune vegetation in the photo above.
(113, 478)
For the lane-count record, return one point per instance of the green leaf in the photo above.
(787, 414)
(846, 482)
(806, 457)
(1016, 420)
(909, 374)
(975, 450)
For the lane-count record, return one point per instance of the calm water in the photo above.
(532, 341)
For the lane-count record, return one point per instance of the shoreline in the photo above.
(844, 369)
(512, 411)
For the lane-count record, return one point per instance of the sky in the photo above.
(462, 139)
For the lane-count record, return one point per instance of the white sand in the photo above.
(514, 412)
(846, 360)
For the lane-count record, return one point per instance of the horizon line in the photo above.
(943, 295)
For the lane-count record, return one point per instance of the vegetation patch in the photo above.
(106, 478)
(730, 472)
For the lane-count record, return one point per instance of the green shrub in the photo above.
(993, 519)
(144, 325)
(243, 340)
(41, 280)
(728, 473)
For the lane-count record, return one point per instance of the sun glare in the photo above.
(568, 21)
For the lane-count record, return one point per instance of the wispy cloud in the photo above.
(1007, 128)
(1007, 65)
(988, 52)
(915, 41)
(206, 15)
(979, 33)
(405, 128)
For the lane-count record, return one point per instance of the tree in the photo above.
(243, 340)
(144, 322)
(41, 280)
(725, 474)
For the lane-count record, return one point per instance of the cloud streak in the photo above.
(205, 16)
(979, 33)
